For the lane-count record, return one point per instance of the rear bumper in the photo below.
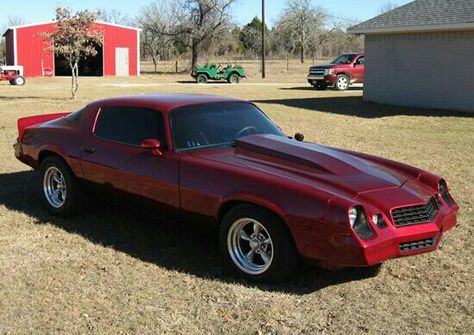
(17, 149)
(336, 249)
(22, 157)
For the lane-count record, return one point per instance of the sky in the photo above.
(33, 11)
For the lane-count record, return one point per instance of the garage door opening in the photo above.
(92, 66)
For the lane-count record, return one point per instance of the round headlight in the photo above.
(352, 216)
(375, 218)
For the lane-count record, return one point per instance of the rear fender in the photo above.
(30, 121)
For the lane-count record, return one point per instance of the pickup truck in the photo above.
(343, 71)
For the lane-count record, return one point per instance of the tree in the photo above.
(298, 21)
(387, 7)
(203, 20)
(251, 35)
(159, 28)
(114, 16)
(75, 39)
(12, 21)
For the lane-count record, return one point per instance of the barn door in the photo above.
(121, 62)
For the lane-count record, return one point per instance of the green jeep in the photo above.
(216, 72)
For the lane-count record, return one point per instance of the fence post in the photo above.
(176, 66)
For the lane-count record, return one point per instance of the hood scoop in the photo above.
(314, 156)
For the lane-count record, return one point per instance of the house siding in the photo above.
(427, 70)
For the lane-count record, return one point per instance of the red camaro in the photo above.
(222, 160)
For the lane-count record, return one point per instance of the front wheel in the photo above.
(201, 78)
(256, 243)
(60, 190)
(342, 82)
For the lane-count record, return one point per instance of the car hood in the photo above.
(322, 67)
(310, 164)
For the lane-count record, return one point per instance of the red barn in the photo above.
(118, 56)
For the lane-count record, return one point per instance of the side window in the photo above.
(130, 125)
(360, 61)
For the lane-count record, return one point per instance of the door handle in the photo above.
(89, 150)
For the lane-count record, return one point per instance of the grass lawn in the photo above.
(112, 271)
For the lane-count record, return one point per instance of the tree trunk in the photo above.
(302, 54)
(74, 79)
(154, 63)
(194, 56)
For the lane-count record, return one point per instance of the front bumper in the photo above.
(329, 80)
(338, 248)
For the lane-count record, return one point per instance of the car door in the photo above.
(359, 68)
(116, 165)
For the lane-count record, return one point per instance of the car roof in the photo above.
(164, 102)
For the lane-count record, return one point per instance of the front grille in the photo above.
(317, 72)
(417, 245)
(406, 216)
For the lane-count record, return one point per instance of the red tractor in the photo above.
(12, 73)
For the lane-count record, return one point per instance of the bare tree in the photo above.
(114, 16)
(387, 7)
(159, 24)
(75, 39)
(203, 20)
(298, 22)
(12, 21)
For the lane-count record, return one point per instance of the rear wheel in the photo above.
(19, 81)
(342, 82)
(61, 192)
(201, 78)
(233, 78)
(255, 242)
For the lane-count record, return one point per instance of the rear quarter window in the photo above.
(130, 125)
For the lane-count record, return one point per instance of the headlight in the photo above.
(443, 190)
(329, 71)
(359, 222)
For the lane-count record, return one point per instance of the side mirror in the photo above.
(299, 137)
(153, 145)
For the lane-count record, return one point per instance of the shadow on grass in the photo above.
(356, 106)
(311, 88)
(13, 98)
(209, 82)
(189, 249)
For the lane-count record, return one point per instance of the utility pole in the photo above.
(263, 38)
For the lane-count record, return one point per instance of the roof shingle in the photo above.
(422, 15)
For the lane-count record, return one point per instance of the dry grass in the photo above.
(117, 272)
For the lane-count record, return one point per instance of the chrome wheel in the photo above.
(54, 187)
(250, 246)
(342, 83)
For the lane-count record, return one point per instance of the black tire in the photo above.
(342, 82)
(321, 86)
(284, 260)
(201, 78)
(233, 78)
(72, 202)
(19, 81)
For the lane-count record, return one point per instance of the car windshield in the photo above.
(217, 125)
(344, 59)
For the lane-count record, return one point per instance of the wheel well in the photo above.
(46, 153)
(204, 73)
(233, 203)
(344, 73)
